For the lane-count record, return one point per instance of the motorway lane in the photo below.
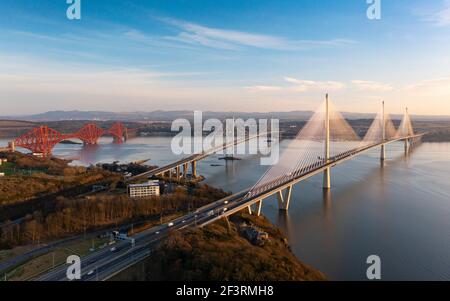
(106, 262)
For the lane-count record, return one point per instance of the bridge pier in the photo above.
(194, 168)
(283, 200)
(407, 146)
(185, 170)
(177, 172)
(383, 153)
(259, 207)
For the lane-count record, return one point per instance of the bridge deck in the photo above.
(192, 158)
(238, 202)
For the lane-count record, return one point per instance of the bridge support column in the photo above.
(383, 153)
(259, 207)
(177, 172)
(194, 168)
(407, 145)
(326, 173)
(249, 210)
(185, 170)
(283, 200)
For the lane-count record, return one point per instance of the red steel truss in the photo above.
(42, 139)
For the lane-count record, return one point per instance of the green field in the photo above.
(11, 169)
(38, 265)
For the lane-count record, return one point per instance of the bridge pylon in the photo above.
(407, 142)
(383, 134)
(326, 173)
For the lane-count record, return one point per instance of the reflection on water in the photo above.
(399, 209)
(283, 222)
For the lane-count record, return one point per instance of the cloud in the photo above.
(298, 85)
(307, 85)
(443, 16)
(439, 17)
(364, 85)
(264, 88)
(435, 87)
(231, 39)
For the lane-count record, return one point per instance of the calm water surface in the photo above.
(399, 211)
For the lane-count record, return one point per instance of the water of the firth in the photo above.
(400, 212)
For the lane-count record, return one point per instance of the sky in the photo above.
(224, 55)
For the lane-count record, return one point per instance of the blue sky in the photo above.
(252, 55)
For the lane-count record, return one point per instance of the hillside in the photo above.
(218, 253)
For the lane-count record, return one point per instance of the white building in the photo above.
(151, 188)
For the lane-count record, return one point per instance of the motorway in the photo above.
(105, 263)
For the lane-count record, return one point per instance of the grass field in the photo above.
(38, 265)
(9, 168)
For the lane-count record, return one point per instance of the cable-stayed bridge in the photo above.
(324, 142)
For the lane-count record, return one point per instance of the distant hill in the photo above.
(171, 115)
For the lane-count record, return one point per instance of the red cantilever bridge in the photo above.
(43, 138)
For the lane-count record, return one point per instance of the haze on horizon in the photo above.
(252, 56)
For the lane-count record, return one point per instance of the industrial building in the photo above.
(150, 188)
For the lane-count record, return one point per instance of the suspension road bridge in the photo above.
(326, 129)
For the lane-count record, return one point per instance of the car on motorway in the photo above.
(226, 202)
(113, 249)
(157, 232)
(90, 272)
(183, 221)
(170, 225)
(210, 213)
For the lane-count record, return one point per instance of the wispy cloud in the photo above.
(439, 17)
(443, 16)
(264, 88)
(231, 39)
(364, 85)
(298, 85)
(301, 85)
(437, 87)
